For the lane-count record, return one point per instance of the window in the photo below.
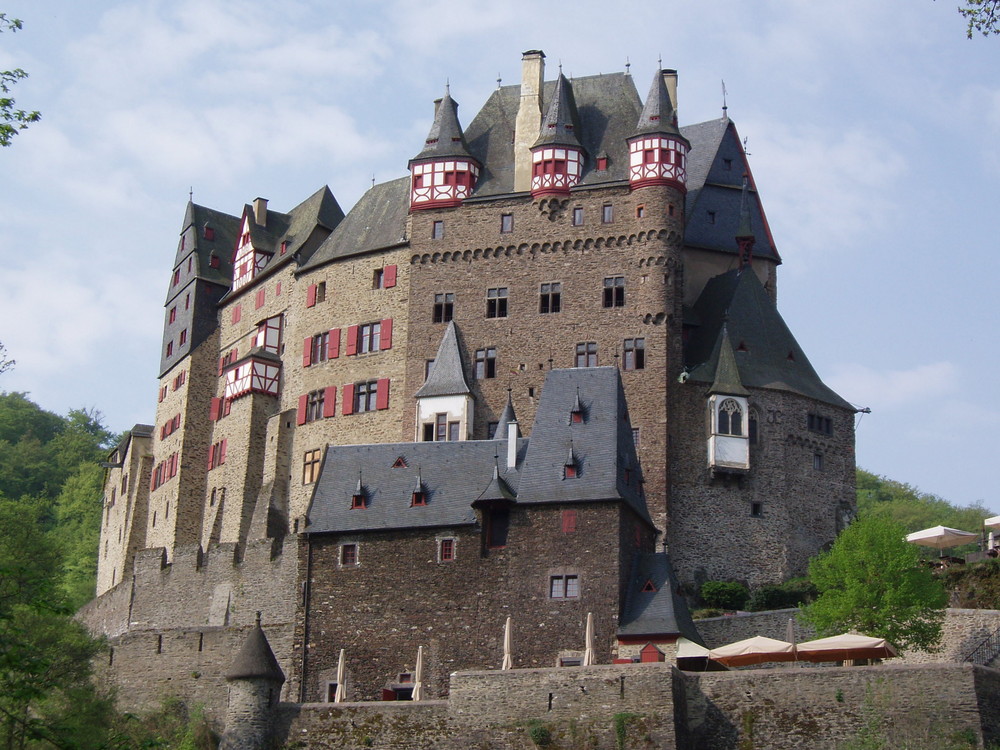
(217, 454)
(366, 396)
(170, 348)
(486, 364)
(319, 347)
(586, 354)
(359, 500)
(348, 554)
(818, 461)
(260, 298)
(635, 436)
(187, 300)
(183, 337)
(635, 354)
(640, 212)
(453, 431)
(310, 466)
(497, 524)
(213, 261)
(314, 405)
(496, 302)
(506, 223)
(727, 164)
(577, 217)
(607, 214)
(444, 307)
(614, 291)
(602, 163)
(177, 277)
(730, 418)
(441, 427)
(173, 315)
(437, 230)
(377, 278)
(418, 498)
(569, 521)
(550, 298)
(822, 425)
(446, 550)
(369, 336)
(428, 364)
(321, 292)
(756, 510)
(564, 587)
(711, 217)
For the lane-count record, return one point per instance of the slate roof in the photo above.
(766, 353)
(455, 474)
(255, 660)
(446, 377)
(506, 417)
(658, 115)
(445, 138)
(659, 612)
(377, 221)
(560, 122)
(727, 373)
(225, 227)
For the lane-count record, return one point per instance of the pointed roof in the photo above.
(656, 610)
(735, 304)
(559, 125)
(496, 490)
(745, 230)
(727, 374)
(658, 115)
(446, 377)
(506, 417)
(255, 660)
(445, 139)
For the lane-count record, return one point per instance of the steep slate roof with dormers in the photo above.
(446, 377)
(560, 122)
(766, 353)
(445, 138)
(659, 612)
(456, 474)
(226, 228)
(377, 221)
(658, 112)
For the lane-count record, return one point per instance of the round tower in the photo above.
(255, 681)
(657, 150)
(557, 156)
(444, 173)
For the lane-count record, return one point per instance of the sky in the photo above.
(872, 129)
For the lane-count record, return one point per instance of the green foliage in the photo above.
(872, 581)
(983, 16)
(975, 586)
(540, 734)
(12, 120)
(728, 595)
(172, 727)
(705, 612)
(792, 593)
(6, 363)
(622, 721)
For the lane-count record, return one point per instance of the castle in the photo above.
(541, 376)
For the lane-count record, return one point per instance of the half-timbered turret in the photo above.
(444, 173)
(657, 150)
(557, 156)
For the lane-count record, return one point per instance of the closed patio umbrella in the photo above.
(418, 675)
(508, 661)
(341, 673)
(588, 653)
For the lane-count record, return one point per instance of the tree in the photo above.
(12, 120)
(871, 581)
(5, 362)
(983, 16)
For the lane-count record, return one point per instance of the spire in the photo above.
(255, 660)
(445, 138)
(496, 491)
(727, 373)
(446, 377)
(559, 122)
(418, 486)
(506, 417)
(744, 235)
(658, 114)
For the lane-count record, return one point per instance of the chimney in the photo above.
(529, 116)
(512, 445)
(260, 211)
(670, 79)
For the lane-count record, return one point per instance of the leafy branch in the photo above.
(12, 120)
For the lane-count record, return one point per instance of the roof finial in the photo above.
(659, 62)
(746, 150)
(560, 66)
(191, 193)
(628, 67)
(725, 108)
(373, 179)
(258, 618)
(447, 86)
(499, 80)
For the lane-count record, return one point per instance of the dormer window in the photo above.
(209, 233)
(418, 499)
(570, 469)
(602, 163)
(213, 261)
(576, 417)
(358, 501)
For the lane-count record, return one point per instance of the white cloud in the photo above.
(892, 389)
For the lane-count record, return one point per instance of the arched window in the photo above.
(730, 418)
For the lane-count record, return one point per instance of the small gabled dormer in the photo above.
(444, 402)
(657, 150)
(418, 497)
(248, 259)
(359, 498)
(557, 156)
(495, 503)
(444, 173)
(577, 415)
(729, 436)
(571, 469)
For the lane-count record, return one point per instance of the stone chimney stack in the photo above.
(529, 116)
(670, 79)
(512, 445)
(260, 211)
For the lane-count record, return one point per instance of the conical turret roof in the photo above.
(445, 139)
(658, 114)
(255, 661)
(559, 125)
(496, 491)
(727, 373)
(446, 377)
(506, 417)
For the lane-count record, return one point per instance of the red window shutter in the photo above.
(303, 402)
(352, 340)
(222, 364)
(214, 411)
(222, 450)
(307, 351)
(389, 276)
(234, 354)
(260, 298)
(330, 401)
(348, 400)
(568, 521)
(311, 296)
(237, 313)
(277, 289)
(386, 334)
(382, 395)
(333, 344)
(163, 432)
(211, 457)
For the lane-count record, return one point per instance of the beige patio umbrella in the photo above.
(756, 650)
(941, 537)
(418, 674)
(341, 671)
(845, 647)
(588, 653)
(508, 661)
(992, 523)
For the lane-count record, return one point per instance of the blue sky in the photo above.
(872, 130)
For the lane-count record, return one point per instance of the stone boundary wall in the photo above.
(718, 631)
(108, 614)
(963, 631)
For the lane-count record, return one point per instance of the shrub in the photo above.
(728, 595)
(782, 596)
